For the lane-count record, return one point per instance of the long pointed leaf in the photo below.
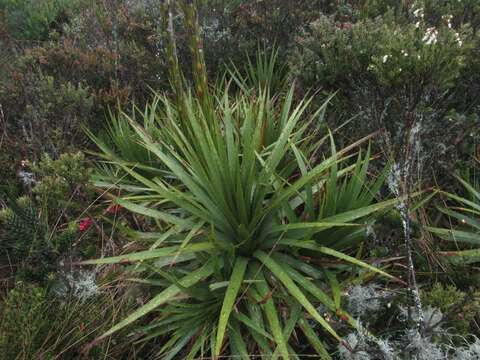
(230, 299)
(293, 289)
(167, 294)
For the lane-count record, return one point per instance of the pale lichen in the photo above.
(78, 283)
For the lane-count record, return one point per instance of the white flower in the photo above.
(458, 39)
(385, 58)
(430, 36)
(448, 19)
(419, 13)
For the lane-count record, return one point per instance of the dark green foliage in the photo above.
(110, 52)
(62, 186)
(380, 53)
(265, 72)
(236, 246)
(103, 56)
(32, 19)
(237, 214)
(43, 115)
(462, 228)
(26, 240)
(395, 69)
(459, 308)
(34, 325)
(22, 228)
(22, 320)
(241, 192)
(462, 12)
(36, 231)
(234, 28)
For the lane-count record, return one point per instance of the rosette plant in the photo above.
(255, 226)
(244, 201)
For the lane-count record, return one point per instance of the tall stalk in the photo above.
(199, 69)
(410, 156)
(196, 50)
(405, 156)
(167, 10)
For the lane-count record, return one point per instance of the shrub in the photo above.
(62, 188)
(460, 308)
(43, 115)
(21, 322)
(390, 73)
(33, 20)
(232, 29)
(101, 58)
(26, 239)
(36, 232)
(458, 12)
(333, 54)
(35, 325)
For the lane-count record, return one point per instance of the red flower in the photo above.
(113, 209)
(85, 224)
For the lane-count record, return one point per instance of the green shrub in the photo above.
(115, 49)
(23, 319)
(370, 9)
(62, 186)
(392, 72)
(33, 20)
(241, 190)
(232, 29)
(459, 308)
(37, 231)
(378, 53)
(27, 240)
(36, 326)
(44, 116)
(458, 12)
